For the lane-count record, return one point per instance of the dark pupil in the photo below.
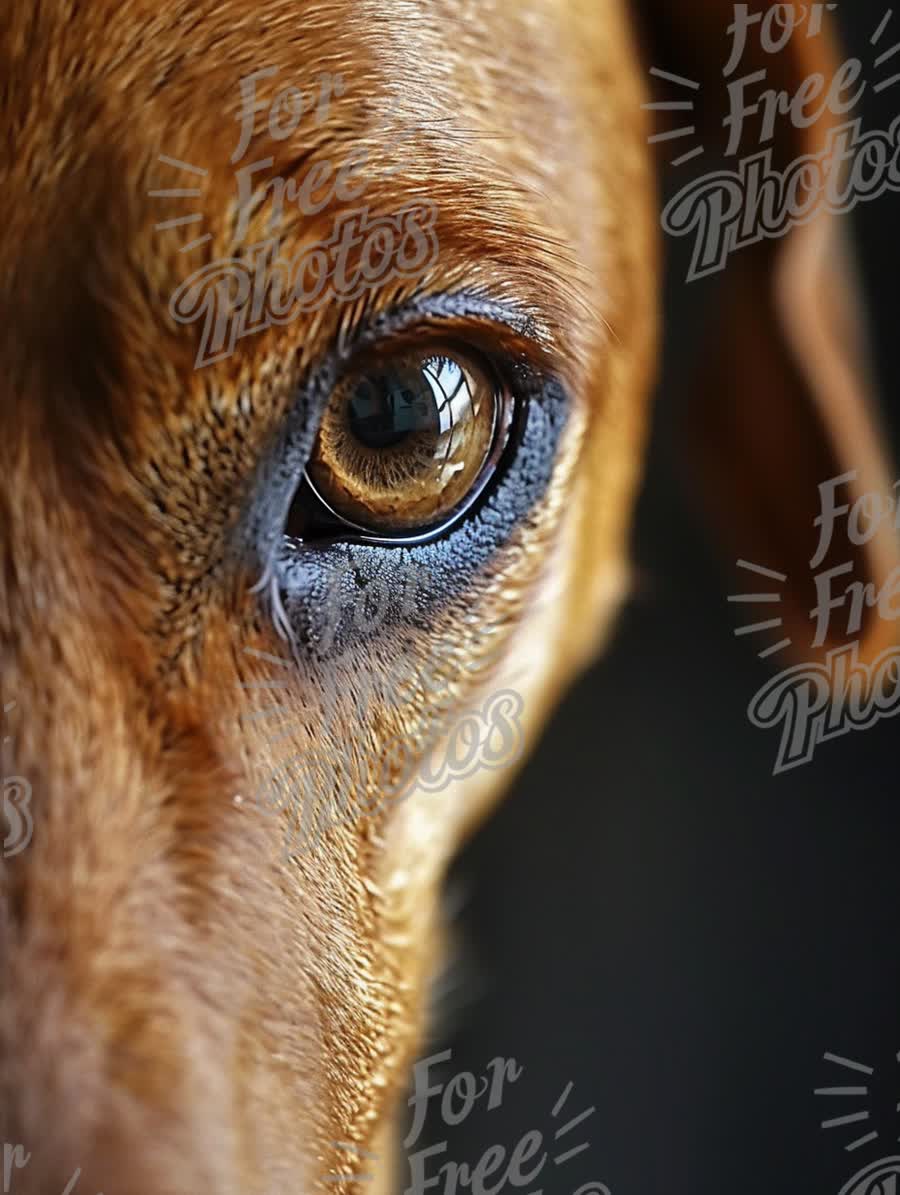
(386, 408)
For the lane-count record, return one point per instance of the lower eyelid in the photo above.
(454, 559)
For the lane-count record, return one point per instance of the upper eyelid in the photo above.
(489, 320)
(456, 313)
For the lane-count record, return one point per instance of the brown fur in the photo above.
(180, 1012)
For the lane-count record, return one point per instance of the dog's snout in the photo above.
(116, 1055)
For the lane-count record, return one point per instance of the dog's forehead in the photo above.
(130, 138)
(92, 86)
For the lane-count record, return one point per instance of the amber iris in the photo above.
(403, 442)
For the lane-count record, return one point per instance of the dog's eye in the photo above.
(406, 443)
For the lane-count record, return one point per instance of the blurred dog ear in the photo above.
(782, 403)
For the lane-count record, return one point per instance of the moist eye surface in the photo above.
(404, 441)
(506, 383)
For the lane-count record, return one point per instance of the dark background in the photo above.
(652, 914)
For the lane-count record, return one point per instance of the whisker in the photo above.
(882, 58)
(841, 1091)
(280, 620)
(175, 193)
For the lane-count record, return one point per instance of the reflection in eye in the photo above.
(403, 443)
(384, 409)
